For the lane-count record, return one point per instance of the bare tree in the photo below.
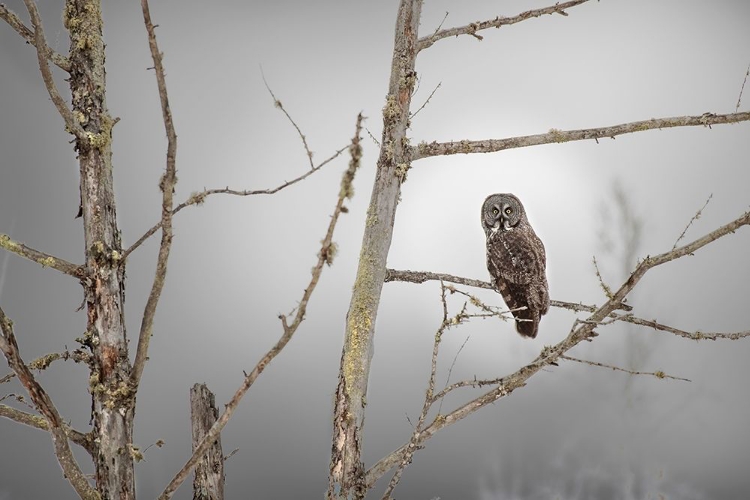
(347, 479)
(114, 381)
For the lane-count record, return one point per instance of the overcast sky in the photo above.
(574, 431)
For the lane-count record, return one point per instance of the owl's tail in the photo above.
(527, 319)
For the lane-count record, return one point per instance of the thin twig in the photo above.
(44, 405)
(450, 370)
(441, 23)
(85, 441)
(697, 335)
(581, 330)
(658, 374)
(428, 399)
(41, 258)
(693, 219)
(605, 288)
(377, 142)
(167, 183)
(43, 54)
(425, 150)
(472, 28)
(30, 36)
(278, 104)
(325, 257)
(199, 198)
(427, 101)
(742, 89)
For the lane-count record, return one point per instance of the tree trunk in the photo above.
(209, 472)
(113, 399)
(347, 470)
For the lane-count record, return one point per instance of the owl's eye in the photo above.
(508, 211)
(495, 211)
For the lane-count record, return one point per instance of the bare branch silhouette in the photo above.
(425, 150)
(41, 258)
(167, 183)
(30, 36)
(658, 374)
(325, 257)
(580, 331)
(44, 405)
(471, 29)
(693, 219)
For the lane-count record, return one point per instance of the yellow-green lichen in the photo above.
(8, 244)
(401, 170)
(557, 135)
(392, 109)
(47, 262)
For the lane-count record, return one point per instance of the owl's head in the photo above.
(501, 212)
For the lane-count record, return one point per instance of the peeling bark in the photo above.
(209, 472)
(113, 400)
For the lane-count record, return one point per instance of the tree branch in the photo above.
(43, 54)
(658, 374)
(325, 257)
(425, 150)
(167, 183)
(581, 330)
(472, 28)
(85, 441)
(44, 259)
(30, 36)
(44, 405)
(200, 197)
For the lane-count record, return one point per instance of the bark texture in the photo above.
(209, 472)
(113, 399)
(346, 478)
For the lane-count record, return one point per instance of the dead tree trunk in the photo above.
(347, 471)
(113, 399)
(209, 472)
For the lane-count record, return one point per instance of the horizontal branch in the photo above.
(581, 330)
(472, 28)
(200, 197)
(422, 276)
(658, 374)
(425, 150)
(28, 34)
(85, 441)
(44, 259)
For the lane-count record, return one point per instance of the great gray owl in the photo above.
(516, 261)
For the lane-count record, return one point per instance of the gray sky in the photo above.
(574, 431)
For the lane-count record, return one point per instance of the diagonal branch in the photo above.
(29, 35)
(425, 150)
(44, 259)
(325, 257)
(44, 405)
(200, 197)
(472, 28)
(658, 374)
(167, 183)
(581, 330)
(43, 54)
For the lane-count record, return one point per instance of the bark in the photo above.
(113, 400)
(346, 478)
(209, 472)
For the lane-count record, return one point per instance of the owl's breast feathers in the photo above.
(517, 263)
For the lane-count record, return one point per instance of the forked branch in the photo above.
(29, 35)
(473, 28)
(325, 257)
(425, 150)
(167, 183)
(581, 330)
(44, 405)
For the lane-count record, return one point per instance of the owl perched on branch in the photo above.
(516, 261)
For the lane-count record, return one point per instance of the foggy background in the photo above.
(574, 431)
